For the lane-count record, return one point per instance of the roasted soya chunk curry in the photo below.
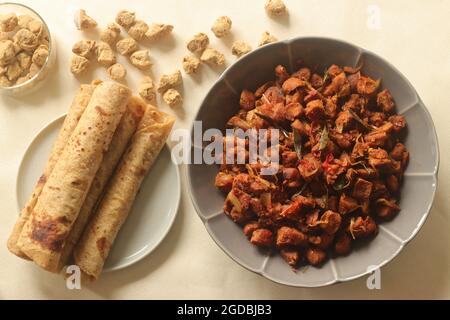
(342, 162)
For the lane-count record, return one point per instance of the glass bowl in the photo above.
(37, 79)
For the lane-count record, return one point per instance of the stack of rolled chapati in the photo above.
(106, 146)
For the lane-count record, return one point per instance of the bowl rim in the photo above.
(50, 47)
(402, 244)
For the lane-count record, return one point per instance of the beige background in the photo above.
(414, 36)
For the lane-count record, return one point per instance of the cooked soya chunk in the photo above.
(342, 161)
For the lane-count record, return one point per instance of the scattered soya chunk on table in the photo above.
(240, 48)
(213, 57)
(83, 21)
(267, 38)
(158, 31)
(191, 64)
(275, 8)
(221, 26)
(198, 43)
(117, 72)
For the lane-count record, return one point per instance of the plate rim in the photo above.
(402, 245)
(146, 252)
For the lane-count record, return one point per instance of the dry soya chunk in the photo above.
(172, 97)
(240, 48)
(275, 8)
(221, 26)
(158, 31)
(126, 46)
(34, 69)
(105, 55)
(198, 43)
(191, 64)
(267, 38)
(140, 59)
(8, 22)
(4, 82)
(83, 21)
(23, 20)
(125, 18)
(4, 36)
(84, 48)
(137, 30)
(213, 57)
(110, 34)
(24, 60)
(36, 27)
(7, 52)
(40, 55)
(78, 64)
(147, 90)
(117, 72)
(26, 40)
(13, 71)
(169, 81)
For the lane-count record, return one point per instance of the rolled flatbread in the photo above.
(77, 108)
(93, 248)
(127, 126)
(44, 234)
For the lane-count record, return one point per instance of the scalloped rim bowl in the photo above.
(417, 192)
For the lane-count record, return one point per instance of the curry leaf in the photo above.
(357, 118)
(298, 143)
(341, 183)
(323, 138)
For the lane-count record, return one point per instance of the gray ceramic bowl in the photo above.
(222, 101)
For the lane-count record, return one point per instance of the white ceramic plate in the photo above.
(153, 212)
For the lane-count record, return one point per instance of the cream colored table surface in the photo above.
(413, 35)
